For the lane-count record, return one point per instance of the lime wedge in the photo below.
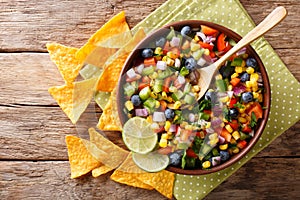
(151, 162)
(138, 135)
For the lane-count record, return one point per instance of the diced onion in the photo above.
(242, 51)
(216, 160)
(140, 68)
(181, 79)
(230, 94)
(201, 35)
(159, 117)
(221, 140)
(201, 62)
(141, 112)
(161, 65)
(173, 128)
(131, 73)
(175, 42)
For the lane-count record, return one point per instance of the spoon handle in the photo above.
(276, 16)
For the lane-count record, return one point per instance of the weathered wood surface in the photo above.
(33, 156)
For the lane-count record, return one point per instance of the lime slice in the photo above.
(151, 162)
(138, 135)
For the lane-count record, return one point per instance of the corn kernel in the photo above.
(172, 89)
(153, 95)
(248, 84)
(157, 104)
(244, 69)
(243, 64)
(242, 120)
(196, 88)
(234, 75)
(260, 98)
(236, 150)
(164, 136)
(149, 119)
(225, 99)
(164, 58)
(167, 125)
(164, 95)
(230, 87)
(238, 70)
(223, 147)
(219, 77)
(242, 110)
(196, 38)
(170, 62)
(206, 52)
(169, 99)
(158, 51)
(188, 127)
(177, 105)
(163, 143)
(208, 125)
(229, 128)
(232, 141)
(172, 55)
(254, 77)
(255, 88)
(170, 134)
(206, 164)
(225, 120)
(236, 135)
(129, 105)
(255, 95)
(222, 124)
(250, 70)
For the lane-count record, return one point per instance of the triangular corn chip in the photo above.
(127, 173)
(74, 98)
(113, 67)
(81, 161)
(103, 169)
(115, 153)
(114, 26)
(109, 119)
(64, 58)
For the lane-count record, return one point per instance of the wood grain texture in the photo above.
(33, 155)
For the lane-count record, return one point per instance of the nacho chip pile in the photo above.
(90, 72)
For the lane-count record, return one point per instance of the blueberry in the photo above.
(186, 31)
(224, 155)
(160, 42)
(190, 63)
(233, 112)
(135, 99)
(169, 113)
(211, 96)
(245, 77)
(251, 62)
(147, 53)
(247, 97)
(175, 157)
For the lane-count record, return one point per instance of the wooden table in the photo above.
(33, 156)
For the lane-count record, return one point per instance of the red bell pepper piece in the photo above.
(149, 61)
(232, 102)
(166, 84)
(208, 31)
(235, 81)
(234, 124)
(163, 105)
(206, 45)
(166, 47)
(222, 44)
(257, 110)
(175, 51)
(246, 128)
(242, 144)
(212, 54)
(190, 153)
(160, 129)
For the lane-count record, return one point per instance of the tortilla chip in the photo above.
(103, 169)
(162, 181)
(81, 161)
(116, 41)
(114, 26)
(99, 56)
(109, 119)
(64, 58)
(116, 155)
(74, 98)
(102, 98)
(124, 175)
(113, 67)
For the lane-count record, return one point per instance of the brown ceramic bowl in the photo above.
(135, 55)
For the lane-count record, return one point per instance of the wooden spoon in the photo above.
(207, 73)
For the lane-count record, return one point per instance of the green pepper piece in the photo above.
(237, 62)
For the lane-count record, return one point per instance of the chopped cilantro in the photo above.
(253, 120)
(238, 105)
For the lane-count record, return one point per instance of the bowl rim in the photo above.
(267, 93)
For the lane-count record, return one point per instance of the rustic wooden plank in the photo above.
(37, 133)
(28, 26)
(51, 180)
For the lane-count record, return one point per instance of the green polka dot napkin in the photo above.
(285, 89)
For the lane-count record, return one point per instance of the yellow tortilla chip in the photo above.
(127, 173)
(103, 169)
(109, 119)
(81, 161)
(116, 155)
(114, 26)
(113, 67)
(64, 58)
(162, 181)
(99, 56)
(74, 98)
